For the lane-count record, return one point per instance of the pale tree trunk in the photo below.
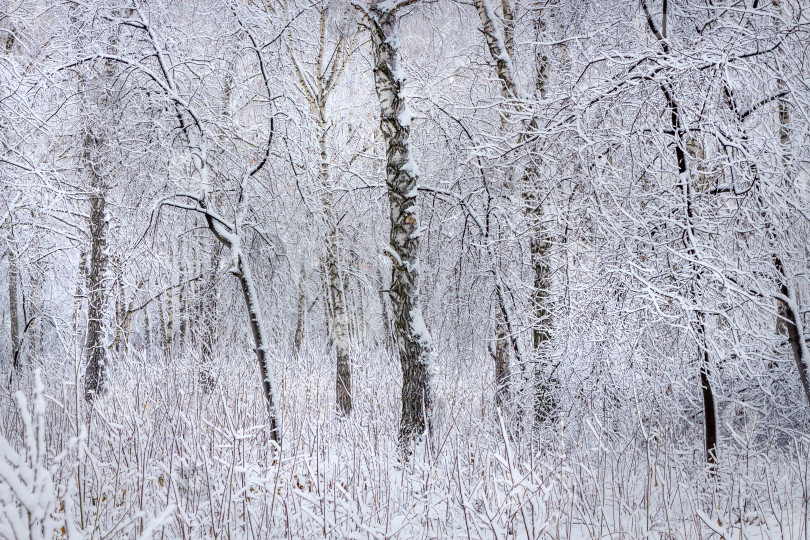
(96, 279)
(80, 292)
(161, 309)
(413, 338)
(120, 341)
(8, 38)
(169, 332)
(327, 308)
(206, 316)
(183, 298)
(337, 291)
(500, 354)
(327, 73)
(499, 39)
(300, 326)
(359, 314)
(384, 313)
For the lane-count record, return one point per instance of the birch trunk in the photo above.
(413, 338)
(94, 377)
(499, 41)
(500, 354)
(300, 326)
(327, 73)
(337, 291)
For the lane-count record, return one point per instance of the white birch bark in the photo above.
(412, 336)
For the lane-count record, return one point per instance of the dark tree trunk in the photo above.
(94, 377)
(14, 306)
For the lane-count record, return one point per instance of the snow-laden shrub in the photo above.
(27, 499)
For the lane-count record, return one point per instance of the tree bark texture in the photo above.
(337, 291)
(94, 376)
(14, 306)
(413, 338)
(228, 236)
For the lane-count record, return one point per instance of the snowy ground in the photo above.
(162, 458)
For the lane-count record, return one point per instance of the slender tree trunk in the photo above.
(679, 137)
(170, 304)
(386, 318)
(161, 318)
(300, 326)
(413, 338)
(14, 306)
(228, 236)
(794, 329)
(182, 300)
(206, 316)
(94, 377)
(359, 315)
(260, 339)
(337, 291)
(81, 282)
(500, 354)
(499, 39)
(709, 408)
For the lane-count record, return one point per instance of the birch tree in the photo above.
(402, 175)
(499, 37)
(316, 86)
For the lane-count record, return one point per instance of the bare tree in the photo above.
(317, 87)
(402, 175)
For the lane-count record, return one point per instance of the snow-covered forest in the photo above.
(507, 269)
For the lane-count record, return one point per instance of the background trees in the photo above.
(606, 236)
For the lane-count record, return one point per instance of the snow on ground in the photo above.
(163, 457)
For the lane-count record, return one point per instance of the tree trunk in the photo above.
(94, 377)
(14, 306)
(679, 136)
(794, 329)
(260, 340)
(206, 316)
(228, 236)
(183, 298)
(169, 332)
(709, 409)
(413, 338)
(340, 328)
(300, 326)
(499, 41)
(500, 354)
(337, 291)
(386, 318)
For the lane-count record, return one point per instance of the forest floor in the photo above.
(164, 456)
